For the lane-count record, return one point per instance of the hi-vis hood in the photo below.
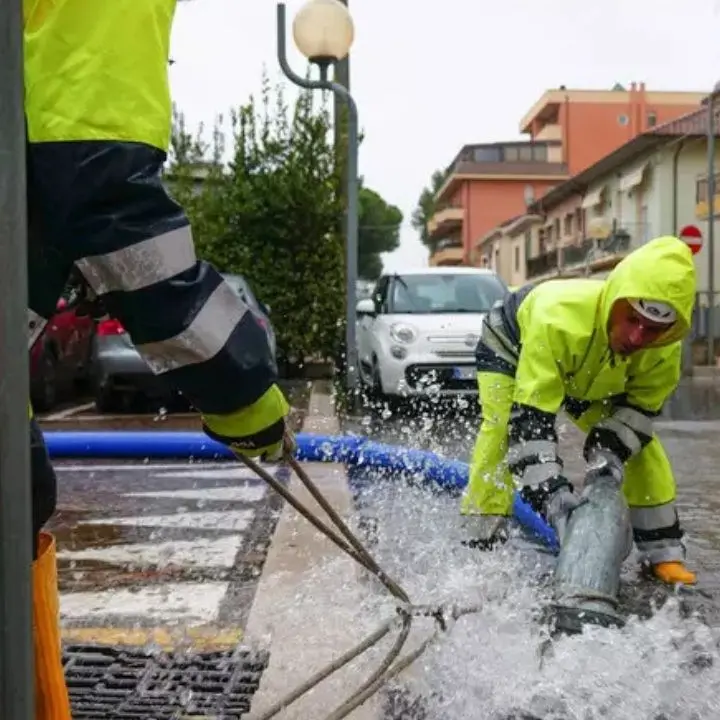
(662, 270)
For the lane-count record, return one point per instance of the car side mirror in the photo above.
(265, 308)
(365, 307)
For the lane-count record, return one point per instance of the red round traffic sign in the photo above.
(693, 237)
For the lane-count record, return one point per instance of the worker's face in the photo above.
(629, 331)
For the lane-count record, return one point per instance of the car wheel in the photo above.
(44, 395)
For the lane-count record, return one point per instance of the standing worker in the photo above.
(98, 112)
(609, 353)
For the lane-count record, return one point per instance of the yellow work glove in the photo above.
(259, 429)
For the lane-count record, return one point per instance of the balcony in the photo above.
(446, 220)
(575, 255)
(448, 254)
(544, 264)
(597, 254)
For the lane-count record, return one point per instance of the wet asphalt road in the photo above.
(160, 544)
(178, 543)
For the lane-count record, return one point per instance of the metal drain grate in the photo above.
(107, 682)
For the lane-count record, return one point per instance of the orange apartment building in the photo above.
(569, 131)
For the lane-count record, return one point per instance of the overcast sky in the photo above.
(430, 77)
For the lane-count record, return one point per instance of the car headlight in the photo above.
(403, 333)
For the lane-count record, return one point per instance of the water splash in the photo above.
(489, 665)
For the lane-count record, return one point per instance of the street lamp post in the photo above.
(711, 223)
(323, 32)
(16, 645)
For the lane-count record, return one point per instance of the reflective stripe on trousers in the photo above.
(649, 488)
(157, 260)
(657, 533)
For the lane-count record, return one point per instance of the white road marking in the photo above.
(236, 493)
(68, 412)
(202, 470)
(230, 473)
(237, 520)
(174, 601)
(147, 466)
(200, 552)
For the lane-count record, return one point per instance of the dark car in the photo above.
(61, 359)
(120, 373)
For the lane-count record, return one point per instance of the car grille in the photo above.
(423, 375)
(464, 354)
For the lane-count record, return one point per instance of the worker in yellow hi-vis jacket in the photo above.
(609, 353)
(98, 115)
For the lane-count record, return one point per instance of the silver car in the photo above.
(120, 372)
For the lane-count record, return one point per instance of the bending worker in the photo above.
(608, 352)
(98, 112)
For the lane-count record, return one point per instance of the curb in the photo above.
(300, 645)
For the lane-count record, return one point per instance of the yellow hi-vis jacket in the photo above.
(563, 328)
(98, 70)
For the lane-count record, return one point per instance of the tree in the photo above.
(270, 214)
(379, 232)
(427, 207)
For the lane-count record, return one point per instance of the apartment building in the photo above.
(590, 124)
(569, 131)
(653, 185)
(486, 184)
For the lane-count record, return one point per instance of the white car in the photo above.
(417, 334)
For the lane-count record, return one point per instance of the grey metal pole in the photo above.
(711, 229)
(16, 645)
(352, 190)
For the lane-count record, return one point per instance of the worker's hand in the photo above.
(605, 466)
(485, 531)
(284, 449)
(559, 505)
(259, 430)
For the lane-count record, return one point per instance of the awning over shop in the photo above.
(593, 198)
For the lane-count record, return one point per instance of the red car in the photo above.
(61, 359)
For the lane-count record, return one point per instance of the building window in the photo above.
(528, 243)
(487, 154)
(568, 229)
(623, 119)
(701, 189)
(540, 153)
(651, 119)
(525, 153)
(517, 258)
(510, 154)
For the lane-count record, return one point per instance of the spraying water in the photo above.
(663, 665)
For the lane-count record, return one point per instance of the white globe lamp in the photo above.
(323, 31)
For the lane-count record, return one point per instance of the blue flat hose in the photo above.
(347, 449)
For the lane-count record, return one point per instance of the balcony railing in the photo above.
(448, 243)
(576, 254)
(542, 264)
(452, 253)
(446, 218)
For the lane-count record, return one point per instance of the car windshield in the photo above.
(436, 293)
